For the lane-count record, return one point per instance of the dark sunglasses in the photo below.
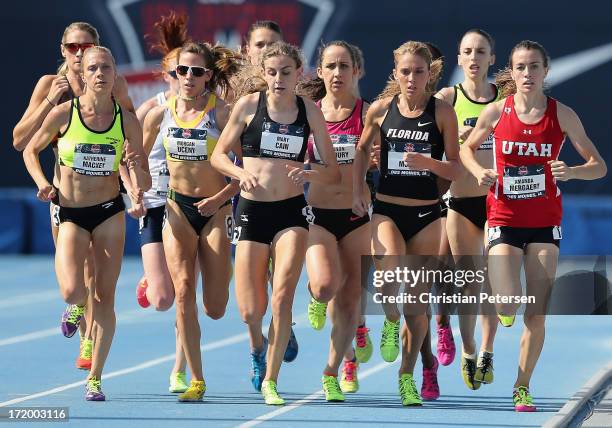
(182, 70)
(172, 73)
(73, 48)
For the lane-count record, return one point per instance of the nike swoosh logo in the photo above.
(539, 169)
(564, 68)
(423, 215)
(423, 124)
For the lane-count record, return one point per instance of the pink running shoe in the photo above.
(430, 390)
(141, 293)
(446, 345)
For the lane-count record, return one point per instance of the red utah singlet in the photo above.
(525, 194)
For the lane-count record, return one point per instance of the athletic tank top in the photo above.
(525, 194)
(160, 176)
(89, 152)
(190, 141)
(399, 135)
(269, 139)
(468, 111)
(344, 134)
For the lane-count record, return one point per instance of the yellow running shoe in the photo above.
(270, 394)
(332, 390)
(348, 381)
(484, 368)
(195, 392)
(506, 320)
(316, 313)
(178, 382)
(468, 369)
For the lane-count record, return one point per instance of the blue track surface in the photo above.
(35, 358)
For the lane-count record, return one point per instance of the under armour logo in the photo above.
(507, 110)
(527, 131)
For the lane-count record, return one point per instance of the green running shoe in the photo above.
(468, 370)
(506, 320)
(484, 368)
(364, 348)
(389, 342)
(270, 394)
(316, 313)
(523, 402)
(408, 391)
(332, 389)
(178, 382)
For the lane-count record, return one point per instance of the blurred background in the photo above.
(578, 37)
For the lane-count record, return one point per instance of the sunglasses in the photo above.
(73, 48)
(182, 70)
(172, 73)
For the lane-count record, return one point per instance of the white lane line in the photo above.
(28, 299)
(157, 361)
(292, 406)
(122, 317)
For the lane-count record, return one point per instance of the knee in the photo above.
(323, 287)
(162, 303)
(73, 295)
(281, 302)
(214, 312)
(185, 293)
(534, 322)
(251, 315)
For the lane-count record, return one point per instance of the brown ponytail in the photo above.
(170, 33)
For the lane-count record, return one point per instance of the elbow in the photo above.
(19, 143)
(603, 169)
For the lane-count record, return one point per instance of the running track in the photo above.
(37, 367)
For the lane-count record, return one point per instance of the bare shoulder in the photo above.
(154, 116)
(443, 107)
(247, 104)
(446, 94)
(379, 107)
(565, 112)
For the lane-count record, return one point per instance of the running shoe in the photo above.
(71, 318)
(468, 370)
(270, 394)
(408, 391)
(348, 381)
(258, 365)
(195, 392)
(364, 348)
(389, 342)
(178, 382)
(83, 362)
(506, 320)
(430, 390)
(93, 390)
(484, 368)
(316, 313)
(292, 349)
(446, 345)
(141, 293)
(523, 401)
(332, 390)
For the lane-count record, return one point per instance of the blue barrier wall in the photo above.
(587, 225)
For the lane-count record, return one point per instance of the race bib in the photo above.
(187, 144)
(281, 141)
(94, 159)
(395, 158)
(163, 181)
(344, 147)
(488, 143)
(524, 182)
